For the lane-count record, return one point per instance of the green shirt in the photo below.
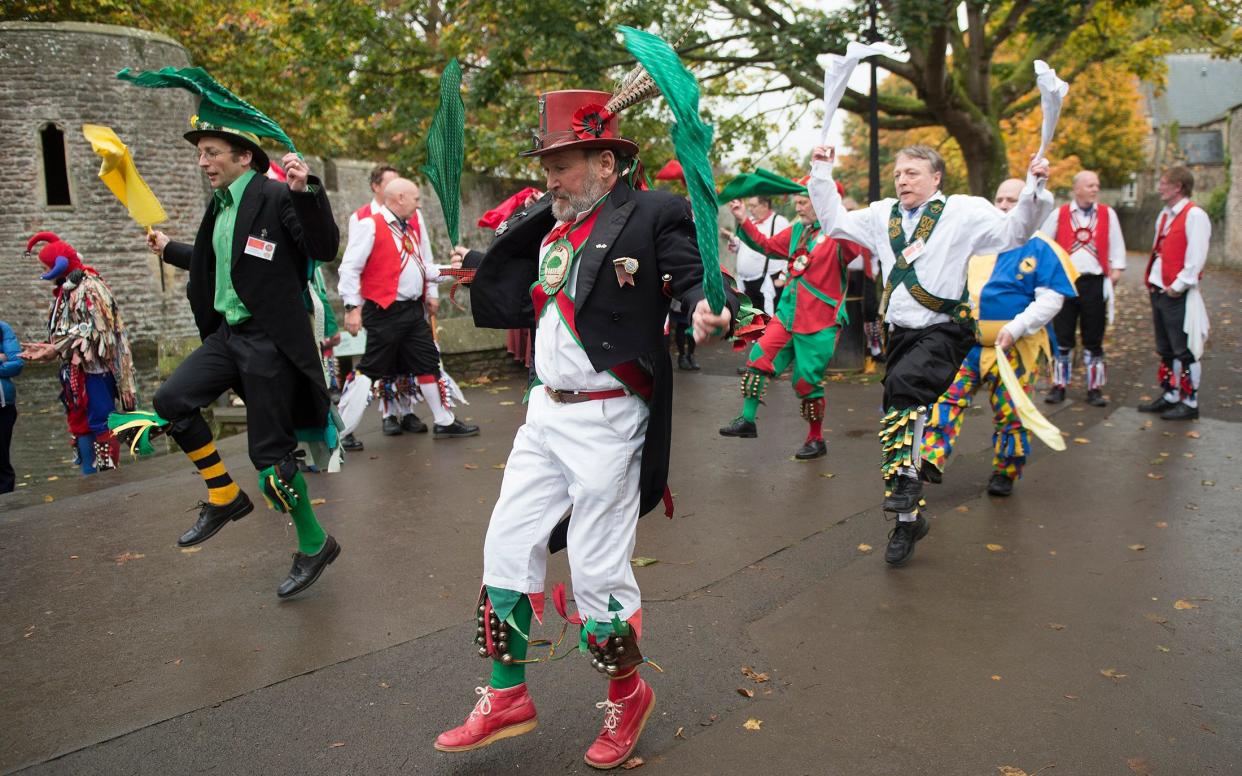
(227, 302)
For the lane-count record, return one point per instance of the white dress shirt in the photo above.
(1198, 234)
(1038, 314)
(968, 226)
(415, 279)
(1084, 260)
(560, 362)
(750, 261)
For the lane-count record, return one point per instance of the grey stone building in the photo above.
(57, 77)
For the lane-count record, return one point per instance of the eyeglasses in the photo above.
(211, 153)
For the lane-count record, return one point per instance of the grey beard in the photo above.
(569, 208)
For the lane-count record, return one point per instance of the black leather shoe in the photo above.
(1000, 485)
(741, 427)
(694, 365)
(413, 425)
(351, 444)
(1056, 395)
(211, 518)
(1096, 399)
(1160, 404)
(391, 427)
(814, 448)
(929, 473)
(1180, 411)
(683, 362)
(902, 539)
(307, 568)
(904, 494)
(454, 430)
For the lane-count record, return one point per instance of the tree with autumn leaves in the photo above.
(358, 77)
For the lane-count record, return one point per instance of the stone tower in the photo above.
(53, 79)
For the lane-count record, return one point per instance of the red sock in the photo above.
(817, 430)
(622, 687)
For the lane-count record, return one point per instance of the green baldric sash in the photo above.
(904, 273)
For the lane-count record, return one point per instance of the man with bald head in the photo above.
(388, 285)
(1014, 295)
(1089, 232)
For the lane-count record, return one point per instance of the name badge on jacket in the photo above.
(260, 248)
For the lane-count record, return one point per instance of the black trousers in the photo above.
(246, 360)
(1168, 314)
(8, 417)
(1090, 309)
(399, 341)
(923, 362)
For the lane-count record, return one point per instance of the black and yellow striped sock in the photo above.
(220, 486)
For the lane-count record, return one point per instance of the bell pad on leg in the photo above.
(276, 484)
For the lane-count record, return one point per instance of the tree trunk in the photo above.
(983, 150)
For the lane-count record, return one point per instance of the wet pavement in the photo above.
(1092, 622)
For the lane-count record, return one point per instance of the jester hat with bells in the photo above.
(58, 256)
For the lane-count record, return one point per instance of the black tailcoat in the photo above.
(301, 225)
(615, 323)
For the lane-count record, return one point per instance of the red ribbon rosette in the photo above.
(591, 121)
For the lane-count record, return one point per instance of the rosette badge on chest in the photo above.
(555, 266)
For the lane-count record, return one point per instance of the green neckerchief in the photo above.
(922, 231)
(226, 202)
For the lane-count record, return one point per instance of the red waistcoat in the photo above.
(1170, 246)
(383, 268)
(1065, 233)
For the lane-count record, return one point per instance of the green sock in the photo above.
(750, 408)
(506, 676)
(311, 536)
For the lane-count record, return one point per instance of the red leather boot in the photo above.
(497, 714)
(623, 724)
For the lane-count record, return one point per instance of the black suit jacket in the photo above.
(616, 323)
(301, 225)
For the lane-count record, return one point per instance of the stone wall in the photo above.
(64, 74)
(1231, 255)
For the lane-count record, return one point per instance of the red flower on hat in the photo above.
(591, 121)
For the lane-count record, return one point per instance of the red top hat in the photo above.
(577, 118)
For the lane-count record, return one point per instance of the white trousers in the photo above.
(586, 456)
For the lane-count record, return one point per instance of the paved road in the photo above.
(120, 653)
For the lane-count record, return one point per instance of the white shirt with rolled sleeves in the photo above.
(1084, 260)
(968, 226)
(414, 281)
(1198, 235)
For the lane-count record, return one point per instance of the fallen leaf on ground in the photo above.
(1162, 524)
(632, 763)
(73, 557)
(48, 499)
(994, 548)
(127, 556)
(710, 720)
(470, 465)
(190, 550)
(1156, 618)
(827, 475)
(1082, 441)
(1161, 648)
(318, 502)
(53, 478)
(963, 508)
(498, 466)
(1138, 765)
(996, 677)
(1188, 455)
(865, 548)
(1056, 626)
(1192, 434)
(641, 561)
(1070, 697)
(753, 724)
(1111, 673)
(507, 404)
(754, 676)
(336, 744)
(1138, 547)
(680, 733)
(1182, 603)
(384, 685)
(1009, 770)
(745, 693)
(1208, 483)
(1154, 476)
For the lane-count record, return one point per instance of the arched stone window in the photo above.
(56, 190)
